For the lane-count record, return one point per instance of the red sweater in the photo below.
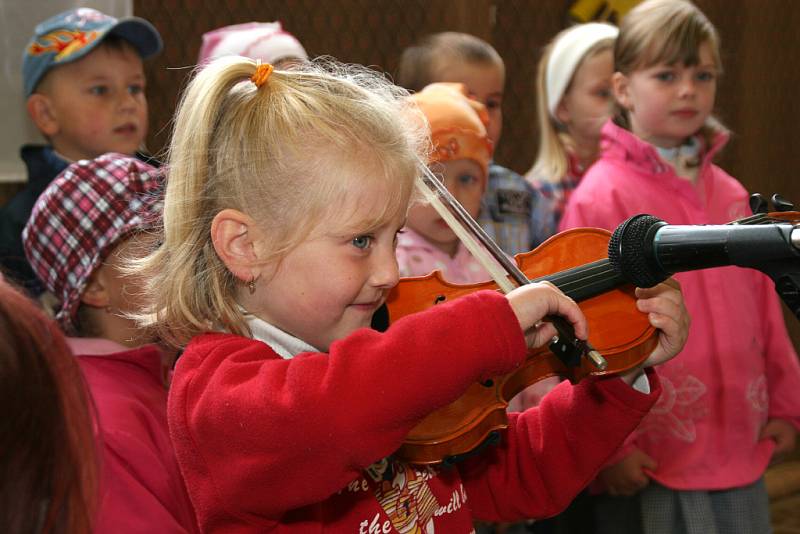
(290, 445)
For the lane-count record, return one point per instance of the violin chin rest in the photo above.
(380, 319)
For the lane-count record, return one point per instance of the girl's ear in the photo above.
(234, 236)
(562, 112)
(96, 294)
(41, 112)
(620, 84)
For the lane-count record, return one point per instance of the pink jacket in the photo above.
(417, 257)
(738, 368)
(141, 487)
(295, 445)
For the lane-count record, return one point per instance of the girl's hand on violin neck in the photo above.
(532, 302)
(666, 311)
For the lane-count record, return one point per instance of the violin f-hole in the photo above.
(439, 299)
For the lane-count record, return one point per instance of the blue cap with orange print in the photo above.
(71, 35)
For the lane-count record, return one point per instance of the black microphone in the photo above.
(646, 250)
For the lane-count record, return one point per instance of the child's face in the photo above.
(668, 103)
(466, 180)
(485, 82)
(588, 103)
(331, 284)
(125, 293)
(97, 104)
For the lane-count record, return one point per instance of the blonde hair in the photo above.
(266, 151)
(670, 32)
(555, 143)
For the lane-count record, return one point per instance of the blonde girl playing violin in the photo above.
(731, 401)
(285, 194)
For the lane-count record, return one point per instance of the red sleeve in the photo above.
(551, 452)
(259, 435)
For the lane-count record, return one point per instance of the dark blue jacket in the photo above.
(43, 166)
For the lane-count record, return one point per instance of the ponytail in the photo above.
(186, 275)
(264, 148)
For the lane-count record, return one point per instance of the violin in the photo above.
(449, 433)
(575, 261)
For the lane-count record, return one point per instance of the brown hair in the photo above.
(48, 466)
(421, 63)
(665, 31)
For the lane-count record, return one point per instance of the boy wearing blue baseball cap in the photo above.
(84, 83)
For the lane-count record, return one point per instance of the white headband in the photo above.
(568, 53)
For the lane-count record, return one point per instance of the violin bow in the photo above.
(492, 258)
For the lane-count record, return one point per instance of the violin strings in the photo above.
(579, 283)
(586, 281)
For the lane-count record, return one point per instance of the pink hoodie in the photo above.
(141, 487)
(738, 368)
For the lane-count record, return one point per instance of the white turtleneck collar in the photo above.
(283, 343)
(685, 159)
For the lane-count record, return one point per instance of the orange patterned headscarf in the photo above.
(458, 123)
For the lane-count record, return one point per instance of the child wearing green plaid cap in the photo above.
(84, 84)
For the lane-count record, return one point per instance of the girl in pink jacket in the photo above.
(731, 401)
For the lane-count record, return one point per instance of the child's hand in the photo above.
(628, 477)
(784, 435)
(664, 305)
(532, 302)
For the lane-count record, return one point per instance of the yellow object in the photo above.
(601, 10)
(63, 42)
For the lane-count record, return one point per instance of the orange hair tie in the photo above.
(261, 75)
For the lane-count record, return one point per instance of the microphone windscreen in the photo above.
(630, 251)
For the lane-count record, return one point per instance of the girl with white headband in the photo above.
(573, 102)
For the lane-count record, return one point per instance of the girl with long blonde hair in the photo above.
(285, 195)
